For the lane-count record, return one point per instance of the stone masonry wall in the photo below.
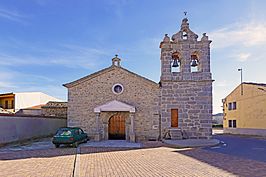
(56, 109)
(194, 103)
(97, 90)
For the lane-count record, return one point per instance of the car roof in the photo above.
(69, 128)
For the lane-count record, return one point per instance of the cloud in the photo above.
(14, 81)
(246, 35)
(70, 56)
(6, 85)
(221, 83)
(12, 15)
(242, 57)
(5, 80)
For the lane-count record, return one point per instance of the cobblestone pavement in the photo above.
(164, 161)
(148, 161)
(45, 143)
(38, 163)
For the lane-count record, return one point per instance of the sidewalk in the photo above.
(192, 142)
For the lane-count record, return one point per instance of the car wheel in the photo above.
(75, 145)
(57, 145)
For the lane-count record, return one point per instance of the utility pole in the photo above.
(241, 78)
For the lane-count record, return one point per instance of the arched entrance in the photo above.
(116, 127)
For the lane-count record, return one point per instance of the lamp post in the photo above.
(241, 78)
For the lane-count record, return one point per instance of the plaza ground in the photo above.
(152, 159)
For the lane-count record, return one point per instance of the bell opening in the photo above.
(175, 66)
(194, 63)
(184, 35)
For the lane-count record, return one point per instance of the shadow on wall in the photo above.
(19, 128)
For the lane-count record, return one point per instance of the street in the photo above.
(241, 146)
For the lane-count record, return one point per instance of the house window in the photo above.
(232, 106)
(13, 106)
(232, 123)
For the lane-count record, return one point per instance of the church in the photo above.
(115, 103)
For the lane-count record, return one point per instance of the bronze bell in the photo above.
(194, 63)
(175, 63)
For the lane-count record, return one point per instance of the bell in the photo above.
(194, 63)
(175, 64)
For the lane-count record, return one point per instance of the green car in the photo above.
(69, 135)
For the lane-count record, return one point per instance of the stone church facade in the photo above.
(115, 103)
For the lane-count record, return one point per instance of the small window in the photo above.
(232, 123)
(63, 133)
(230, 106)
(118, 89)
(234, 105)
(76, 132)
(80, 131)
(13, 106)
(229, 123)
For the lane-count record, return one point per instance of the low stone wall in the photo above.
(19, 128)
(245, 131)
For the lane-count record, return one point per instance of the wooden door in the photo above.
(174, 117)
(116, 128)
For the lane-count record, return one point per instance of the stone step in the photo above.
(176, 134)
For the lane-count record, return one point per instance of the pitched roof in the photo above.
(6, 94)
(247, 83)
(252, 83)
(35, 107)
(105, 70)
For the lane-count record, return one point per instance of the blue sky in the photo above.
(45, 43)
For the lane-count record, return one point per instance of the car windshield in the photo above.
(63, 132)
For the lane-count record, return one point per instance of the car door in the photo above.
(82, 134)
(77, 135)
